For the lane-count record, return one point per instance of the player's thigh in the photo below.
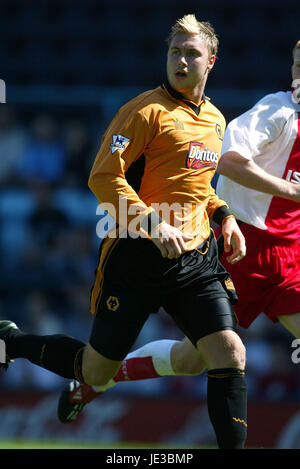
(201, 310)
(121, 314)
(291, 323)
(207, 318)
(223, 349)
(116, 326)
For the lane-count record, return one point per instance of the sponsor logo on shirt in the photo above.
(200, 156)
(118, 142)
(293, 176)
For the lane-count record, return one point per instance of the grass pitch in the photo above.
(53, 444)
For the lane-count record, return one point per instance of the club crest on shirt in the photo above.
(112, 303)
(219, 131)
(118, 142)
(178, 124)
(200, 156)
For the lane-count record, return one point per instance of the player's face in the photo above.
(296, 75)
(188, 62)
(296, 65)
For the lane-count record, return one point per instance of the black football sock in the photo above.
(227, 406)
(58, 353)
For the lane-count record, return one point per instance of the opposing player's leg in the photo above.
(161, 358)
(186, 359)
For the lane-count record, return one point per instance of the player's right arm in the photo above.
(247, 173)
(124, 142)
(169, 240)
(244, 142)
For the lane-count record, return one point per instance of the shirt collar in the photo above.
(177, 95)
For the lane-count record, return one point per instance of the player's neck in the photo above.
(196, 97)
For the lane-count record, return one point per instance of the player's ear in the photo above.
(211, 62)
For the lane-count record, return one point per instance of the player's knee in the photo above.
(223, 349)
(237, 357)
(234, 356)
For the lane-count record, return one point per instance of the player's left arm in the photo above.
(233, 240)
(219, 212)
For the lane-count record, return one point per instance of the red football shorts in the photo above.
(267, 279)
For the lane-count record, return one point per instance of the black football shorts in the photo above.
(192, 289)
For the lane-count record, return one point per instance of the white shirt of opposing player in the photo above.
(265, 134)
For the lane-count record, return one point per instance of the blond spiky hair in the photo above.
(189, 24)
(297, 46)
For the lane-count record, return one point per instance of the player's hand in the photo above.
(169, 240)
(233, 240)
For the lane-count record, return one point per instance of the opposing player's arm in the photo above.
(247, 173)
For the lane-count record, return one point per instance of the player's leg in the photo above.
(111, 339)
(58, 353)
(153, 360)
(161, 358)
(115, 330)
(210, 324)
(226, 387)
(186, 359)
(223, 349)
(96, 368)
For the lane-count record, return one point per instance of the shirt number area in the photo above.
(293, 176)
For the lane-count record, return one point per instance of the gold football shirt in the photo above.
(180, 144)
